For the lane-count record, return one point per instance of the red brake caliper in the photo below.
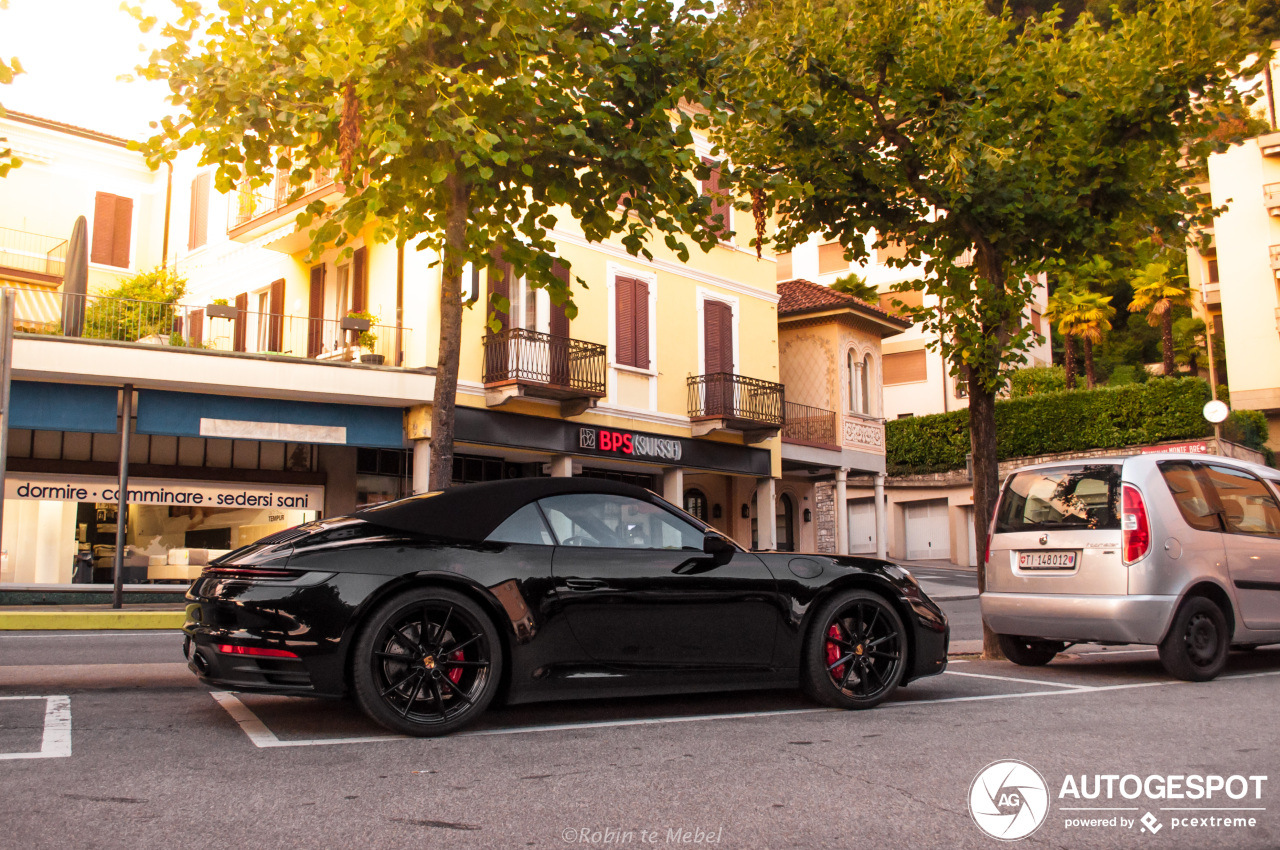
(833, 652)
(455, 675)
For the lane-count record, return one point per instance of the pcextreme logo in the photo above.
(1008, 799)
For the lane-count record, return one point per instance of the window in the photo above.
(866, 384)
(1084, 497)
(853, 368)
(906, 367)
(1194, 502)
(262, 317)
(1247, 505)
(1035, 322)
(695, 504)
(718, 220)
(895, 250)
(617, 522)
(784, 267)
(831, 258)
(910, 298)
(523, 526)
(112, 230)
(1213, 271)
(198, 223)
(631, 313)
(859, 372)
(785, 524)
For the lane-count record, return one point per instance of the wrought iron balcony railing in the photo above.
(250, 203)
(49, 313)
(811, 426)
(556, 362)
(33, 252)
(723, 395)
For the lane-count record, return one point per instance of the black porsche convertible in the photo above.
(427, 609)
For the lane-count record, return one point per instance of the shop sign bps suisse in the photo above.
(629, 444)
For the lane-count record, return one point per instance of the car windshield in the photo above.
(1083, 497)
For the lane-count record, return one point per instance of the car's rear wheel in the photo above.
(1195, 649)
(856, 651)
(1029, 652)
(427, 663)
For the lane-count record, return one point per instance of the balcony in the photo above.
(59, 314)
(1271, 197)
(1269, 144)
(1275, 257)
(1211, 293)
(810, 426)
(726, 402)
(32, 256)
(256, 211)
(520, 363)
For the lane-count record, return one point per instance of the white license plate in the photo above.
(1047, 560)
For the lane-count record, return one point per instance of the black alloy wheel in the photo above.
(427, 662)
(1195, 649)
(856, 651)
(1029, 652)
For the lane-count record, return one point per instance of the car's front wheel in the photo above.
(1195, 649)
(427, 663)
(856, 651)
(1029, 652)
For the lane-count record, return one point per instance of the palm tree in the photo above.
(1157, 289)
(1061, 309)
(1091, 317)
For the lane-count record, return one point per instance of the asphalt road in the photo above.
(142, 755)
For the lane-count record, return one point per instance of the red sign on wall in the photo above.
(1178, 448)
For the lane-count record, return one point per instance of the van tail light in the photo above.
(1135, 530)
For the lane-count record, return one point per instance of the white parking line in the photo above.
(264, 738)
(166, 633)
(56, 741)
(1009, 679)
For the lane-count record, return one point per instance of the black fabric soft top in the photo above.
(471, 512)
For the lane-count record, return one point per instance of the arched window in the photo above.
(695, 503)
(866, 384)
(786, 524)
(855, 382)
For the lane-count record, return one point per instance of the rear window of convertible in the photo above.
(1082, 497)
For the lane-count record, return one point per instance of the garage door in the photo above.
(862, 526)
(926, 530)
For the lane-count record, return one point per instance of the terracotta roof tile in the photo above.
(804, 296)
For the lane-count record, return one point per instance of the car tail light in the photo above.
(249, 573)
(1135, 530)
(261, 651)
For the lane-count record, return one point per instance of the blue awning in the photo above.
(43, 406)
(235, 417)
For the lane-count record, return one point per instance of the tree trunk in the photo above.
(1069, 356)
(1090, 377)
(986, 486)
(446, 390)
(1166, 341)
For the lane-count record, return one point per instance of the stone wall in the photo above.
(824, 514)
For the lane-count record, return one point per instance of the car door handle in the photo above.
(584, 583)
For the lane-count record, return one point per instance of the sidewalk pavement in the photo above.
(91, 617)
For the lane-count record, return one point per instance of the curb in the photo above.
(90, 620)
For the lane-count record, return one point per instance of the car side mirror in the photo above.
(717, 547)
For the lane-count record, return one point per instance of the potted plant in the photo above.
(220, 308)
(363, 321)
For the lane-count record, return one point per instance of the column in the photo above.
(673, 485)
(766, 514)
(882, 524)
(842, 512)
(421, 466)
(562, 466)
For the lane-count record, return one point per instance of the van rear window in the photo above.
(1084, 497)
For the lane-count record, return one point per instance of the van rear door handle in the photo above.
(584, 583)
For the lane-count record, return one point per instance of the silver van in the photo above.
(1177, 551)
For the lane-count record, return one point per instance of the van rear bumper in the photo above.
(1122, 619)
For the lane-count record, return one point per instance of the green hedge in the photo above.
(1046, 423)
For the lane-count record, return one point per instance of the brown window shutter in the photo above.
(912, 298)
(196, 338)
(121, 232)
(559, 347)
(559, 319)
(642, 325)
(104, 222)
(625, 320)
(719, 200)
(199, 229)
(717, 319)
(359, 281)
(500, 285)
(241, 321)
(275, 328)
(831, 258)
(315, 313)
(907, 367)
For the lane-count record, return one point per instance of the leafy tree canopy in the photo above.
(8, 70)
